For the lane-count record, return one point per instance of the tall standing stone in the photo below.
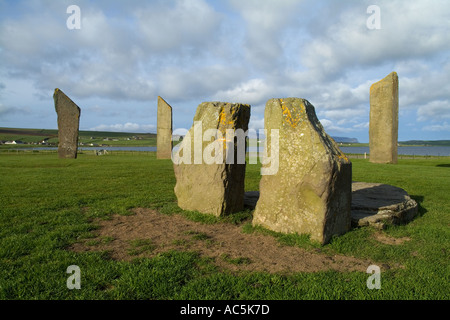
(68, 125)
(210, 165)
(311, 191)
(383, 128)
(164, 130)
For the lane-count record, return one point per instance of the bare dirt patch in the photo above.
(383, 238)
(148, 233)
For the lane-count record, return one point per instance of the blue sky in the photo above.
(126, 53)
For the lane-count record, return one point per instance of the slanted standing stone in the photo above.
(383, 128)
(214, 188)
(164, 130)
(68, 125)
(311, 192)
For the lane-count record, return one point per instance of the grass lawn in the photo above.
(47, 204)
(123, 139)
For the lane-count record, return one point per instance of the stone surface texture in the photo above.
(217, 188)
(311, 192)
(373, 204)
(68, 125)
(379, 204)
(164, 130)
(383, 127)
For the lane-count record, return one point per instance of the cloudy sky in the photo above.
(126, 53)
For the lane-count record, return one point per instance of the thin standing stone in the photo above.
(164, 130)
(383, 128)
(68, 125)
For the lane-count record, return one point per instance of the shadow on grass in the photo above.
(419, 200)
(443, 165)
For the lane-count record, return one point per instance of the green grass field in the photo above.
(86, 137)
(48, 204)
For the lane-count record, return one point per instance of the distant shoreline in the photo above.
(408, 151)
(32, 138)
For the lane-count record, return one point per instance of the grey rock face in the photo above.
(311, 191)
(214, 187)
(383, 128)
(164, 130)
(68, 125)
(373, 204)
(376, 204)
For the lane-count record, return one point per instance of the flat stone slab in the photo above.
(377, 204)
(373, 204)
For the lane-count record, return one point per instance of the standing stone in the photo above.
(164, 130)
(68, 125)
(383, 129)
(311, 191)
(204, 182)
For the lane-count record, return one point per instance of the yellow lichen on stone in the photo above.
(222, 117)
(343, 156)
(224, 124)
(291, 120)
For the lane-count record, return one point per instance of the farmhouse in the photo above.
(14, 142)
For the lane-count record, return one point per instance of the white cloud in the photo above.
(434, 110)
(337, 95)
(126, 127)
(256, 123)
(438, 128)
(171, 24)
(185, 84)
(108, 57)
(253, 91)
(412, 29)
(364, 125)
(189, 51)
(180, 131)
(331, 128)
(344, 116)
(265, 23)
(425, 85)
(7, 110)
(347, 48)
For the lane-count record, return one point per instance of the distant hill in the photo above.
(54, 133)
(130, 138)
(345, 140)
(50, 137)
(442, 143)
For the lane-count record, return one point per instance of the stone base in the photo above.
(373, 204)
(376, 204)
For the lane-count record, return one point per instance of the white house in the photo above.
(14, 142)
